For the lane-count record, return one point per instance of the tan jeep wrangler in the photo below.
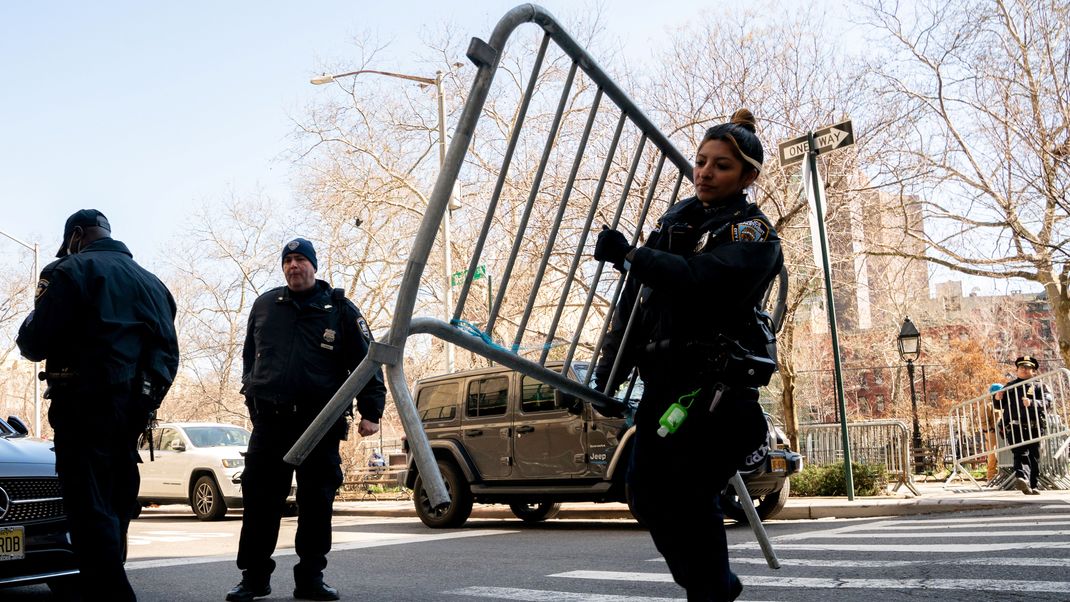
(504, 438)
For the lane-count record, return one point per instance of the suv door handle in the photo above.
(525, 429)
(475, 433)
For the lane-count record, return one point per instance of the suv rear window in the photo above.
(487, 397)
(438, 402)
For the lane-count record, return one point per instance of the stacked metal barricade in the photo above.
(977, 430)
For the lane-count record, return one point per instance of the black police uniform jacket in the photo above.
(700, 274)
(1020, 423)
(299, 352)
(99, 320)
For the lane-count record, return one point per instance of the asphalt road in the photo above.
(1021, 554)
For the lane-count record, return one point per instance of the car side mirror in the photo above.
(178, 446)
(17, 424)
(573, 404)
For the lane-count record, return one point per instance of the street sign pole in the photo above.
(827, 269)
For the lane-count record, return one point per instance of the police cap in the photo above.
(1028, 361)
(83, 218)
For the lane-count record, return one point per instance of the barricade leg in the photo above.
(755, 522)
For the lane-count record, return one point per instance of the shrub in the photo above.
(869, 479)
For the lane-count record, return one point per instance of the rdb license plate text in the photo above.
(12, 543)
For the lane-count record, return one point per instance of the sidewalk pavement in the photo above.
(935, 497)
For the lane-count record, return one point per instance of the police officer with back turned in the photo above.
(105, 327)
(303, 340)
(702, 349)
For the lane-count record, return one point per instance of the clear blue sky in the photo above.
(146, 110)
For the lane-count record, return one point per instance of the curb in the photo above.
(796, 508)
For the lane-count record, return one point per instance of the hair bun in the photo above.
(745, 119)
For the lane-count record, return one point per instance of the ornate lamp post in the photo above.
(909, 349)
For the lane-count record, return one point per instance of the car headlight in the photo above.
(233, 463)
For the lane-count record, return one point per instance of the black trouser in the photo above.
(96, 438)
(1027, 463)
(266, 483)
(675, 482)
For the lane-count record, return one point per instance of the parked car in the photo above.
(501, 437)
(35, 544)
(196, 463)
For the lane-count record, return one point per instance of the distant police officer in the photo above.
(698, 281)
(1023, 407)
(105, 326)
(303, 340)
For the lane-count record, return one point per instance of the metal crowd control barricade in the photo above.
(977, 429)
(884, 442)
(593, 157)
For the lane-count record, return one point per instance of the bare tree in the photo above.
(223, 262)
(981, 88)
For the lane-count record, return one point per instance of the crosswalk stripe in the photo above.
(927, 548)
(970, 534)
(979, 525)
(972, 585)
(537, 595)
(1002, 585)
(353, 545)
(617, 576)
(1040, 518)
(881, 564)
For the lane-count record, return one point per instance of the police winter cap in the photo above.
(301, 246)
(1027, 360)
(83, 218)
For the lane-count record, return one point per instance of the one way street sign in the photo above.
(827, 139)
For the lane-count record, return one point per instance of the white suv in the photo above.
(196, 463)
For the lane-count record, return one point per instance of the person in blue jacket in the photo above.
(698, 279)
(105, 327)
(302, 342)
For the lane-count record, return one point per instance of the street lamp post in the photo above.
(447, 267)
(909, 349)
(36, 381)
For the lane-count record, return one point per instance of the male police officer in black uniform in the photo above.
(1023, 419)
(302, 342)
(105, 325)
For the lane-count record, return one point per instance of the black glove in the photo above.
(611, 247)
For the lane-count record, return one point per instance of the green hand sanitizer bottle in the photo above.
(672, 419)
(675, 415)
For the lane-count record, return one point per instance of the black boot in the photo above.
(315, 591)
(247, 590)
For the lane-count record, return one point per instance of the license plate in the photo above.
(779, 464)
(12, 543)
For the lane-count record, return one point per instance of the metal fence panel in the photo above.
(534, 224)
(977, 429)
(883, 442)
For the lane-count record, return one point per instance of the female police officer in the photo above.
(699, 279)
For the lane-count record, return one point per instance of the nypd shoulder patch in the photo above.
(752, 230)
(364, 330)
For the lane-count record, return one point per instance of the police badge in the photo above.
(328, 335)
(293, 244)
